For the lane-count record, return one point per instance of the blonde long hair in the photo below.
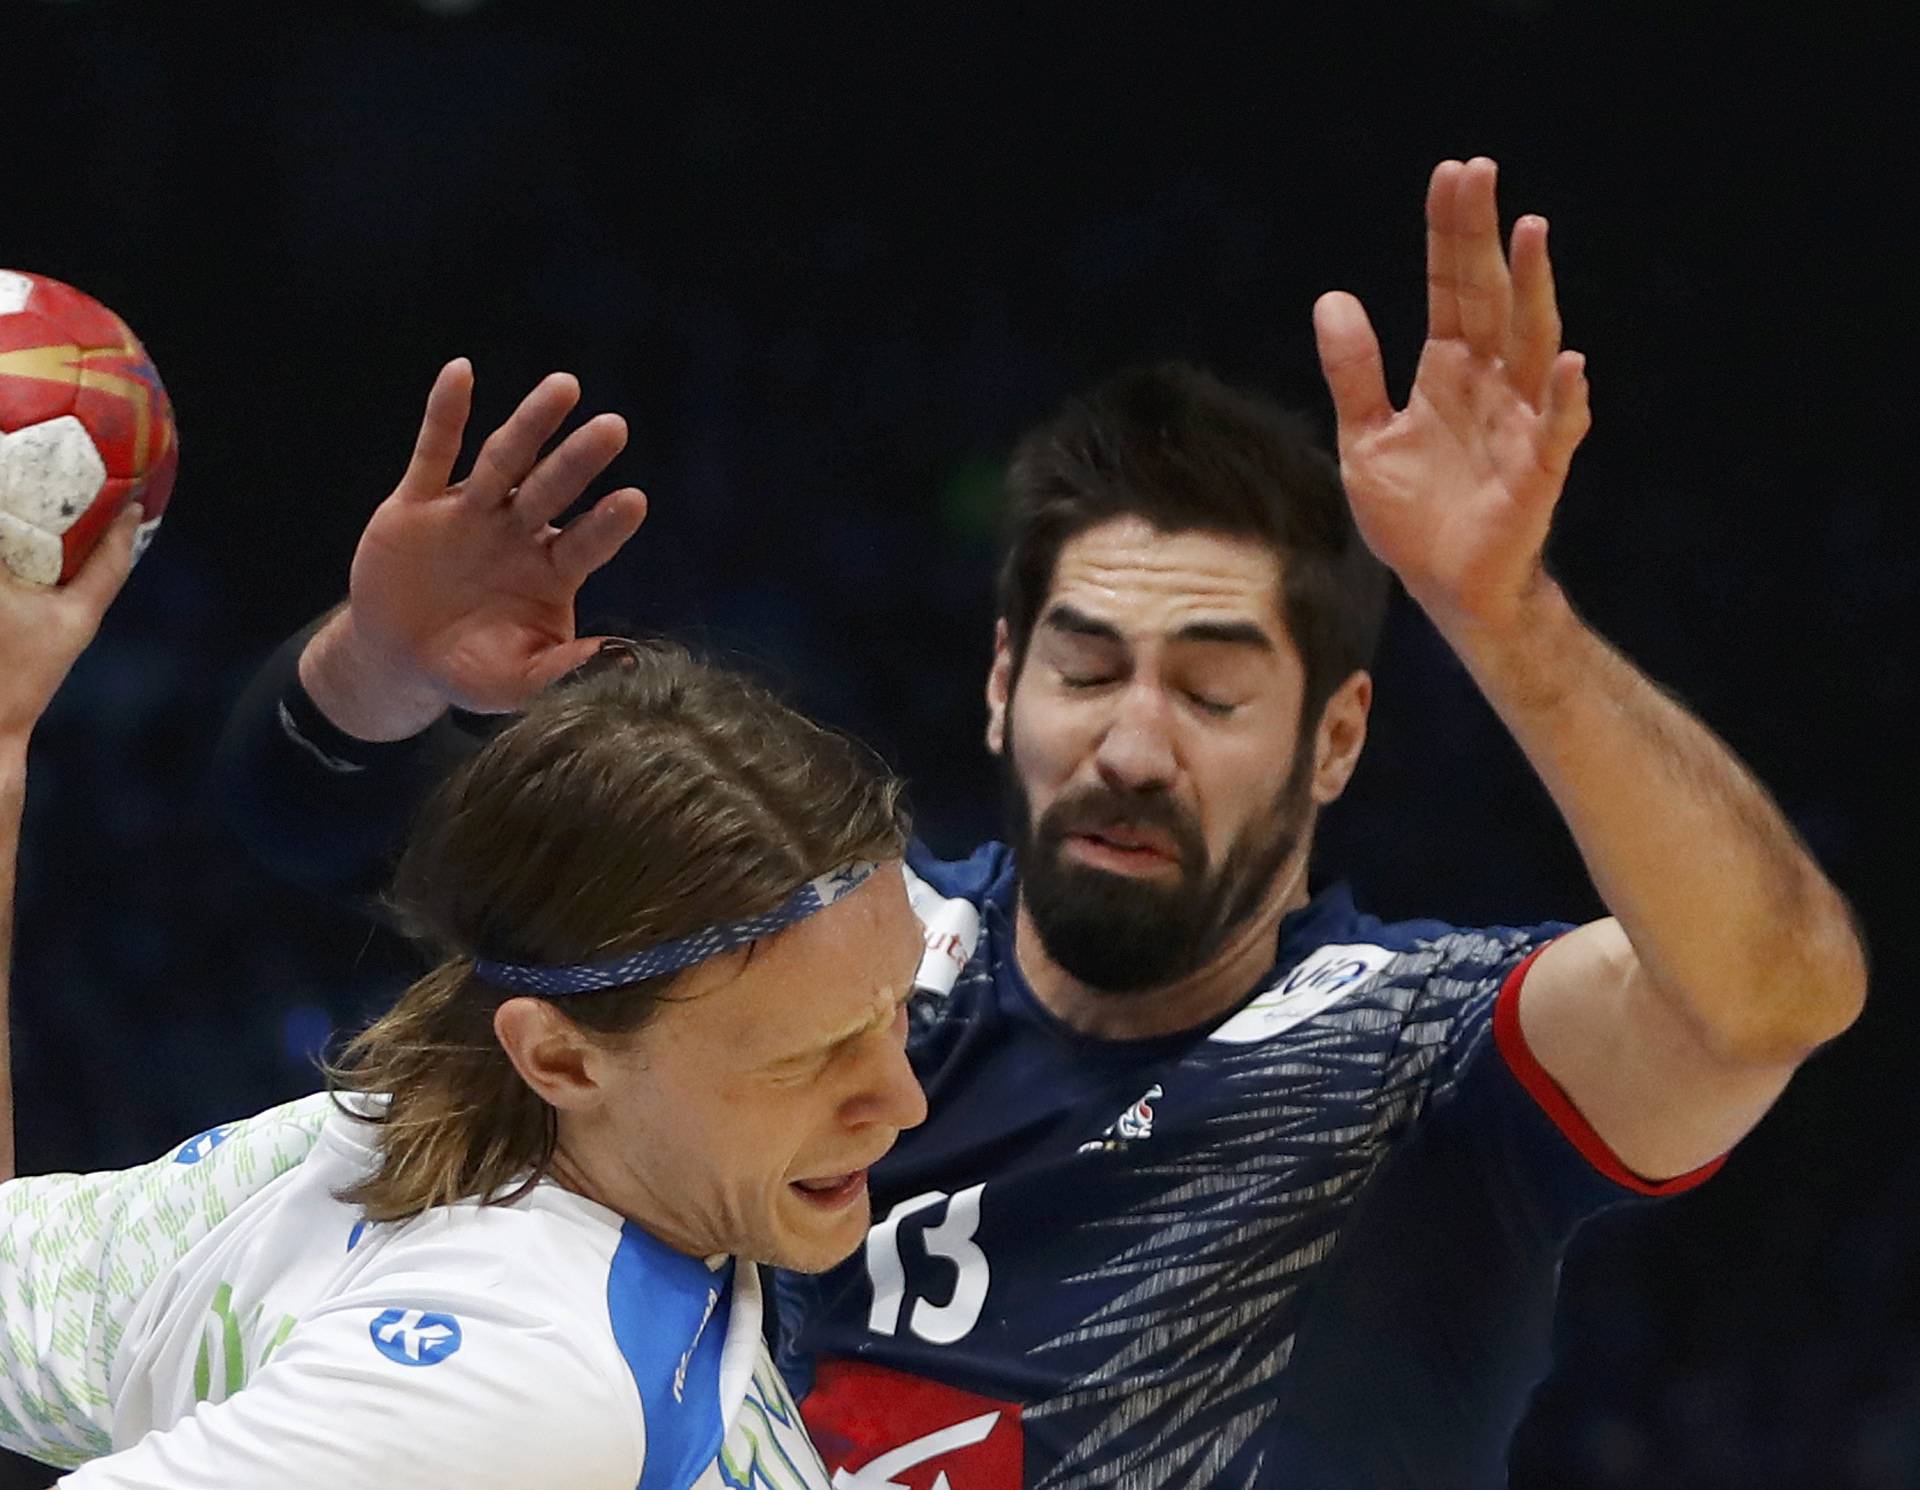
(649, 797)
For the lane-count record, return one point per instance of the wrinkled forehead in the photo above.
(820, 980)
(1143, 581)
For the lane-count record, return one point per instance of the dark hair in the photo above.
(648, 798)
(1174, 445)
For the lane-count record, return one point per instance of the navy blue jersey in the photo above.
(1314, 1244)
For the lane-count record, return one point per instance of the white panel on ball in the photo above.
(143, 535)
(29, 552)
(50, 473)
(14, 290)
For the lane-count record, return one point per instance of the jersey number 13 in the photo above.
(950, 1237)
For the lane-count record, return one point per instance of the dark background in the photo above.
(829, 262)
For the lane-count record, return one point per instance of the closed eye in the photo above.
(1218, 707)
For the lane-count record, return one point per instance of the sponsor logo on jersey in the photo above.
(879, 1429)
(413, 1338)
(1136, 1122)
(1321, 980)
(201, 1144)
(950, 929)
(686, 1358)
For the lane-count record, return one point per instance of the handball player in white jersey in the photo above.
(515, 1246)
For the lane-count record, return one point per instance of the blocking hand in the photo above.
(1456, 491)
(464, 590)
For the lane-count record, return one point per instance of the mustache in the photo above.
(1096, 810)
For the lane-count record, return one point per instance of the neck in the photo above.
(1199, 998)
(619, 1192)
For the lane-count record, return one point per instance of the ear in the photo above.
(1341, 734)
(553, 1055)
(999, 689)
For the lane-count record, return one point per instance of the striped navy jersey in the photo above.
(1314, 1244)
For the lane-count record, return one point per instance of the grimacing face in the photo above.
(1157, 779)
(756, 1098)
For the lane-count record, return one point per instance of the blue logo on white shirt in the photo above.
(198, 1147)
(415, 1339)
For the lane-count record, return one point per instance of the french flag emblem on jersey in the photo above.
(879, 1429)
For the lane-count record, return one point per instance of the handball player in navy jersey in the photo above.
(1225, 1181)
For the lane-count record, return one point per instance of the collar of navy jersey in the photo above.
(557, 980)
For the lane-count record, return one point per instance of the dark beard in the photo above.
(1120, 934)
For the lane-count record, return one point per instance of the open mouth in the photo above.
(1122, 848)
(831, 1191)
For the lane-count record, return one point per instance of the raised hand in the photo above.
(43, 630)
(462, 592)
(1456, 491)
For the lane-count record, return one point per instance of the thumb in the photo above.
(1350, 361)
(556, 662)
(106, 569)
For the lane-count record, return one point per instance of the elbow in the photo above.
(1805, 1002)
(1834, 975)
(1843, 988)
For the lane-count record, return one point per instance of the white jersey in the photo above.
(219, 1320)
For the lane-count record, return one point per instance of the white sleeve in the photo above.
(460, 1389)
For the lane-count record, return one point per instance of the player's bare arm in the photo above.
(1729, 956)
(42, 631)
(462, 592)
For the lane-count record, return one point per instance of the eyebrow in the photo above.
(1064, 617)
(851, 1032)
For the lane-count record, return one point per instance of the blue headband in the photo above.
(671, 957)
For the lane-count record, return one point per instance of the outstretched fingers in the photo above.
(597, 534)
(1566, 417)
(1534, 339)
(1350, 362)
(1481, 284)
(442, 428)
(1443, 271)
(564, 472)
(511, 450)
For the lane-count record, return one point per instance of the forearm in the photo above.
(313, 803)
(13, 795)
(1727, 912)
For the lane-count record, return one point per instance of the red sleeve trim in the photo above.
(1558, 1106)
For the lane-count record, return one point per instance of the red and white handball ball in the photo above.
(85, 427)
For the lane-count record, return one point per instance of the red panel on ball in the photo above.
(78, 541)
(84, 320)
(120, 419)
(25, 401)
(36, 379)
(158, 488)
(28, 328)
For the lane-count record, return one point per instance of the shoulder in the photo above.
(510, 1307)
(952, 899)
(414, 1377)
(1348, 965)
(551, 1248)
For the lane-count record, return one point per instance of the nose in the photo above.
(890, 1093)
(1136, 752)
